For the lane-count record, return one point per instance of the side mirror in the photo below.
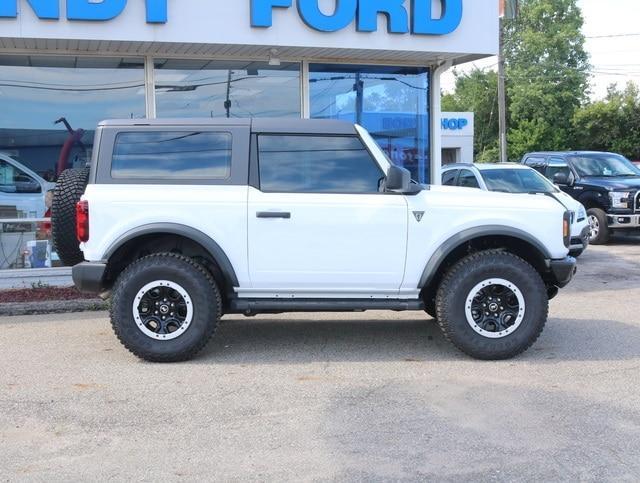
(398, 179)
(561, 178)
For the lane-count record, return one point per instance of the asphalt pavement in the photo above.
(333, 397)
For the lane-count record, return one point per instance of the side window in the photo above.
(176, 155)
(557, 165)
(14, 180)
(316, 164)
(467, 179)
(449, 177)
(534, 161)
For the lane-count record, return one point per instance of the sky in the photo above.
(613, 59)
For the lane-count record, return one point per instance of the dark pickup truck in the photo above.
(607, 184)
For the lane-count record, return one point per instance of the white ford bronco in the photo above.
(182, 221)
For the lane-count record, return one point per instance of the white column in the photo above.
(304, 90)
(436, 116)
(149, 87)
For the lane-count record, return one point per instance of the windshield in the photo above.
(603, 165)
(517, 181)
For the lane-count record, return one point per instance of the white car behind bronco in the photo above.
(183, 221)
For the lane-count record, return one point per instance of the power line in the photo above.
(612, 36)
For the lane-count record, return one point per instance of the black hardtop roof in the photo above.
(257, 125)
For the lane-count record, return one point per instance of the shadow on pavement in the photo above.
(258, 341)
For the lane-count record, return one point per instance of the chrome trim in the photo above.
(633, 223)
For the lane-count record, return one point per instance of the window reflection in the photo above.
(391, 102)
(183, 155)
(36, 91)
(201, 88)
(316, 164)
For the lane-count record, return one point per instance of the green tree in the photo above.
(612, 124)
(547, 74)
(477, 91)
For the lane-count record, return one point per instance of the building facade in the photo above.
(67, 64)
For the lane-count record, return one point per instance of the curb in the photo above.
(52, 307)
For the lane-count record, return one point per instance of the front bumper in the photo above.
(619, 222)
(562, 271)
(581, 243)
(89, 276)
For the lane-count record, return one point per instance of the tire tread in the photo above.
(161, 260)
(455, 276)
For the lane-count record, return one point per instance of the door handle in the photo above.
(274, 214)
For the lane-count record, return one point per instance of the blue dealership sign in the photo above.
(365, 15)
(454, 124)
(84, 9)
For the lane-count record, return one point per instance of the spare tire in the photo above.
(69, 188)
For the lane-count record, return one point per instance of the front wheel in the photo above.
(492, 305)
(165, 308)
(600, 232)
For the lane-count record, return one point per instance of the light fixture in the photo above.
(273, 57)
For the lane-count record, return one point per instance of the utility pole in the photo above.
(227, 102)
(359, 88)
(502, 96)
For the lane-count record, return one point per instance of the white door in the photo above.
(318, 226)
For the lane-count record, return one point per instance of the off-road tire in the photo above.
(604, 234)
(66, 194)
(202, 290)
(458, 283)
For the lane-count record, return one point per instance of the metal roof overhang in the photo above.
(228, 51)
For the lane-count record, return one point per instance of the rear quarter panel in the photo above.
(218, 211)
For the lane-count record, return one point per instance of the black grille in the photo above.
(636, 201)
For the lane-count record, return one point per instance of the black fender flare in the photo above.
(469, 234)
(197, 236)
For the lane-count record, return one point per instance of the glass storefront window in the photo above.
(36, 91)
(201, 88)
(391, 102)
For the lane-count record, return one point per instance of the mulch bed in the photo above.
(43, 294)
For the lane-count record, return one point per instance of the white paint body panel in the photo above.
(354, 242)
(451, 210)
(218, 211)
(572, 204)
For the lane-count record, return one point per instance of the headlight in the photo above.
(619, 199)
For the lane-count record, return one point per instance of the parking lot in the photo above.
(373, 396)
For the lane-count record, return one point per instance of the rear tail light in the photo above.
(82, 221)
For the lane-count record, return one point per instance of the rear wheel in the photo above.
(66, 194)
(165, 308)
(600, 233)
(492, 305)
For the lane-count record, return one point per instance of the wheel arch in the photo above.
(175, 237)
(476, 239)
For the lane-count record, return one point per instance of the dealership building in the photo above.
(374, 62)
